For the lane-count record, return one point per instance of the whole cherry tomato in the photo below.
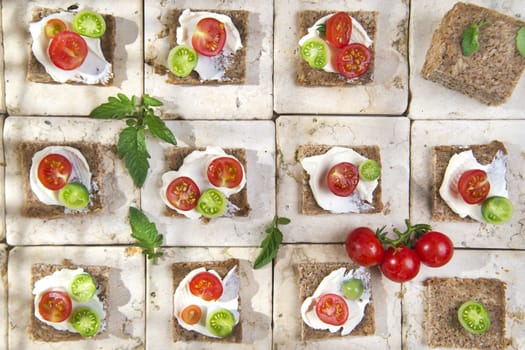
(400, 264)
(434, 249)
(363, 247)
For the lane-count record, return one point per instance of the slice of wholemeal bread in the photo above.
(36, 71)
(490, 74)
(440, 157)
(309, 205)
(235, 66)
(36, 209)
(179, 271)
(40, 331)
(175, 158)
(309, 277)
(444, 296)
(308, 76)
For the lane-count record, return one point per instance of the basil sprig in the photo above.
(469, 38)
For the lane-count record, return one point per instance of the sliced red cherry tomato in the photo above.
(339, 29)
(53, 27)
(206, 285)
(363, 247)
(67, 50)
(474, 186)
(400, 264)
(434, 249)
(54, 171)
(332, 309)
(225, 172)
(191, 314)
(55, 306)
(183, 193)
(343, 178)
(353, 60)
(209, 37)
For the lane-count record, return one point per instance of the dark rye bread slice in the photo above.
(175, 158)
(36, 71)
(440, 157)
(40, 331)
(34, 208)
(309, 205)
(489, 75)
(308, 76)
(444, 296)
(309, 277)
(235, 65)
(179, 271)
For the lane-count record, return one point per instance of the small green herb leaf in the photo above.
(470, 38)
(146, 234)
(132, 147)
(520, 41)
(151, 101)
(270, 244)
(321, 28)
(116, 108)
(158, 128)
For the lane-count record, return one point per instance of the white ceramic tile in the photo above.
(255, 295)
(125, 303)
(427, 134)
(3, 296)
(2, 81)
(503, 265)
(257, 138)
(433, 101)
(387, 94)
(28, 98)
(286, 303)
(245, 101)
(108, 227)
(2, 175)
(391, 134)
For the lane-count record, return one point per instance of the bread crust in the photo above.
(179, 271)
(444, 296)
(440, 158)
(309, 205)
(489, 75)
(36, 72)
(308, 76)
(40, 331)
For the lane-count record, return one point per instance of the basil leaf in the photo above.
(469, 40)
(520, 41)
(132, 147)
(271, 243)
(158, 128)
(146, 234)
(150, 101)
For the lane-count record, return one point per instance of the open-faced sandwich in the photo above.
(340, 179)
(465, 313)
(206, 304)
(475, 51)
(337, 48)
(69, 301)
(469, 183)
(61, 179)
(71, 47)
(336, 300)
(205, 183)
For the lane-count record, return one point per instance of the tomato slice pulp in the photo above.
(353, 60)
(225, 172)
(191, 314)
(53, 27)
(209, 37)
(183, 193)
(339, 29)
(55, 306)
(54, 171)
(332, 309)
(342, 179)
(67, 50)
(206, 285)
(474, 186)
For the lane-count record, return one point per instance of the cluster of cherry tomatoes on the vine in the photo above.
(399, 258)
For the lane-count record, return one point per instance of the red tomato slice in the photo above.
(53, 27)
(54, 171)
(339, 29)
(206, 285)
(343, 178)
(183, 193)
(225, 172)
(55, 306)
(191, 314)
(474, 186)
(209, 37)
(332, 309)
(67, 50)
(353, 60)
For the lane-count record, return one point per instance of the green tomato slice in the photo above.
(85, 321)
(89, 23)
(315, 51)
(474, 317)
(369, 170)
(496, 210)
(74, 195)
(353, 288)
(82, 287)
(212, 203)
(181, 60)
(220, 322)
